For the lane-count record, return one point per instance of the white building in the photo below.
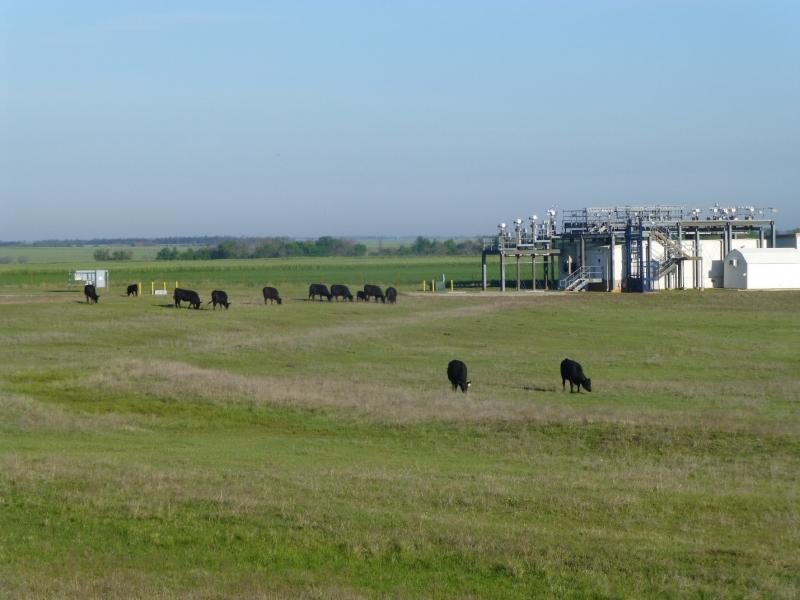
(762, 268)
(97, 277)
(710, 269)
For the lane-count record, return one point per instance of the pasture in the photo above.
(316, 449)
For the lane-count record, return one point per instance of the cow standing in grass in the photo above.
(271, 294)
(573, 372)
(190, 296)
(91, 293)
(219, 297)
(373, 291)
(319, 289)
(341, 291)
(133, 290)
(361, 296)
(457, 374)
(391, 295)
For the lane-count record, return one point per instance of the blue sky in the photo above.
(297, 118)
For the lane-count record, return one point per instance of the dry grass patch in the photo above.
(403, 404)
(23, 413)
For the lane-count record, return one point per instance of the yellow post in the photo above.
(176, 284)
(165, 286)
(433, 285)
(152, 288)
(424, 287)
(452, 286)
(139, 288)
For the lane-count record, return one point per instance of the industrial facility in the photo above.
(645, 248)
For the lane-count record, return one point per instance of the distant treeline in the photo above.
(324, 246)
(266, 248)
(423, 246)
(103, 254)
(186, 240)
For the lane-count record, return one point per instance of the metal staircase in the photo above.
(673, 252)
(580, 278)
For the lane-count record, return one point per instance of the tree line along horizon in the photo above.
(286, 247)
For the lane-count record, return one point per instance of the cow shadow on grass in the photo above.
(172, 306)
(534, 388)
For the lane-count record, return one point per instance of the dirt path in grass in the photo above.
(317, 335)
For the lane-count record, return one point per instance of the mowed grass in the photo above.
(315, 449)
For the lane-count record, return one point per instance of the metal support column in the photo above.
(679, 283)
(533, 271)
(502, 271)
(612, 251)
(648, 276)
(772, 235)
(483, 270)
(519, 281)
(546, 266)
(729, 229)
(698, 275)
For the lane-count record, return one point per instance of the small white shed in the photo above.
(762, 268)
(97, 277)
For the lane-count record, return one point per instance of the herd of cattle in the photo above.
(456, 370)
(271, 295)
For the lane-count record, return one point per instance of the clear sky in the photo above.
(307, 118)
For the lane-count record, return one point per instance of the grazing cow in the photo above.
(271, 294)
(457, 374)
(573, 372)
(342, 291)
(373, 291)
(361, 296)
(190, 296)
(91, 293)
(319, 289)
(219, 297)
(133, 289)
(391, 295)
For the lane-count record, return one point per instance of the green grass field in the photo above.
(316, 450)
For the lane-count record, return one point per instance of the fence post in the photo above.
(152, 288)
(452, 286)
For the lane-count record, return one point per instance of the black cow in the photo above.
(219, 297)
(373, 291)
(391, 295)
(342, 291)
(91, 293)
(319, 289)
(190, 296)
(361, 296)
(133, 289)
(271, 294)
(457, 374)
(573, 372)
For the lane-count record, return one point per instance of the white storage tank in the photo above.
(762, 269)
